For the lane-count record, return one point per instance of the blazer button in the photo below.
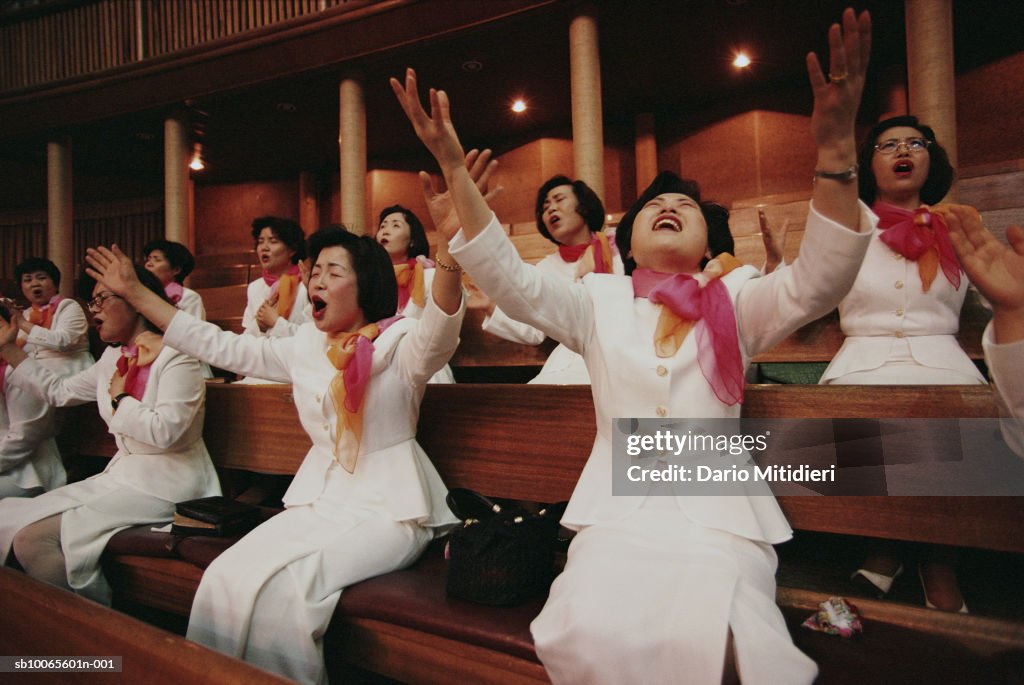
(898, 284)
(662, 371)
(319, 398)
(661, 411)
(327, 426)
(899, 312)
(900, 334)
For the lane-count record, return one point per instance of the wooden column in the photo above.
(930, 74)
(59, 212)
(646, 148)
(585, 74)
(352, 143)
(309, 205)
(177, 187)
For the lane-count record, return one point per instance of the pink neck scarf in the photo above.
(135, 360)
(921, 236)
(708, 310)
(174, 291)
(597, 252)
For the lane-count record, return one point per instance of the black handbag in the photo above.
(220, 516)
(500, 555)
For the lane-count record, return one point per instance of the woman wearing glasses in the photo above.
(903, 312)
(152, 399)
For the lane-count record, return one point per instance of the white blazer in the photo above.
(65, 344)
(393, 473)
(1006, 364)
(28, 452)
(414, 311)
(600, 319)
(257, 294)
(192, 302)
(888, 306)
(160, 449)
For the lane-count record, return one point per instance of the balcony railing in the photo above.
(53, 40)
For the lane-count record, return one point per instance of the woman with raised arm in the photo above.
(366, 499)
(401, 234)
(53, 331)
(152, 398)
(659, 588)
(901, 317)
(997, 271)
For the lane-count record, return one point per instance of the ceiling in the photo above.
(667, 58)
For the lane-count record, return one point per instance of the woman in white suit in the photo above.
(571, 215)
(54, 332)
(366, 500)
(402, 235)
(657, 589)
(152, 398)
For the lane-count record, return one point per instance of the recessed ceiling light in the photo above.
(741, 61)
(519, 106)
(472, 65)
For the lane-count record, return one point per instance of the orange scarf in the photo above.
(41, 316)
(348, 389)
(409, 275)
(287, 288)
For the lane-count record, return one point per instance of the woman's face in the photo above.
(561, 218)
(900, 175)
(334, 292)
(395, 235)
(157, 264)
(115, 319)
(274, 255)
(670, 235)
(38, 287)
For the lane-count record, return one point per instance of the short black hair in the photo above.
(86, 284)
(287, 231)
(375, 275)
(588, 204)
(179, 256)
(715, 216)
(940, 170)
(418, 244)
(34, 264)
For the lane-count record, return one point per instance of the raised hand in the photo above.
(439, 202)
(435, 130)
(113, 269)
(774, 239)
(996, 269)
(837, 95)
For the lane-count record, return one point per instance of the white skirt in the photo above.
(652, 599)
(92, 511)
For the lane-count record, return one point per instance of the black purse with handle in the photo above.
(501, 554)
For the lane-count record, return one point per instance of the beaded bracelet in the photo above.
(446, 267)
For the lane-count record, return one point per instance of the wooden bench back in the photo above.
(221, 276)
(531, 442)
(39, 620)
(224, 302)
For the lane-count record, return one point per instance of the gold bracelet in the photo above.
(446, 267)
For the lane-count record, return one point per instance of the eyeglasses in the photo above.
(96, 303)
(891, 146)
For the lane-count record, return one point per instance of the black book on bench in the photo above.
(218, 515)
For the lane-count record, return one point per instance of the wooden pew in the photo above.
(220, 276)
(40, 620)
(530, 442)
